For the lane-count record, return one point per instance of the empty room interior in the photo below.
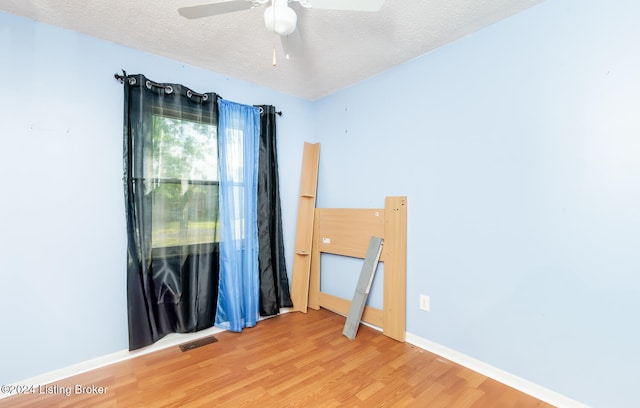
(495, 142)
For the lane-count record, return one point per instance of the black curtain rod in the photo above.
(121, 78)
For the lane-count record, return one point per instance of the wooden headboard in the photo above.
(345, 231)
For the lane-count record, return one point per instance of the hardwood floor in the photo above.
(292, 360)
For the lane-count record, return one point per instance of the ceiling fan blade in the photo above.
(212, 9)
(354, 5)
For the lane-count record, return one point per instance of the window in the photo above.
(183, 165)
(235, 161)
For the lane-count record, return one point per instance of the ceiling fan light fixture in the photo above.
(280, 18)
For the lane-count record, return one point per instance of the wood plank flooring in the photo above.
(292, 360)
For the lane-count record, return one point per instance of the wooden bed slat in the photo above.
(341, 306)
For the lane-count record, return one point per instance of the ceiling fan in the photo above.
(279, 18)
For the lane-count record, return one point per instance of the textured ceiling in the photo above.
(338, 48)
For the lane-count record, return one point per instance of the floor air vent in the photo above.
(198, 343)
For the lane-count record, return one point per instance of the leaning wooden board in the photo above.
(304, 231)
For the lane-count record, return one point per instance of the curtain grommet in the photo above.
(168, 89)
(191, 93)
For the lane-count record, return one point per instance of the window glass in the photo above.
(184, 182)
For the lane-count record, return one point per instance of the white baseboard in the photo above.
(174, 339)
(520, 384)
(169, 340)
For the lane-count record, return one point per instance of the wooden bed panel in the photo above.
(304, 229)
(341, 231)
(346, 231)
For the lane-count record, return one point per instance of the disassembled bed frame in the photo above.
(347, 232)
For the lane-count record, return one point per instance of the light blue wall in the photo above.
(519, 150)
(62, 239)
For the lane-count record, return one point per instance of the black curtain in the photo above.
(172, 215)
(274, 283)
(170, 136)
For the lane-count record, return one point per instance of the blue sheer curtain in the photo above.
(238, 148)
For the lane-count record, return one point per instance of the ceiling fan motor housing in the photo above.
(280, 18)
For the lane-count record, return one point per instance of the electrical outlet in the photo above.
(425, 303)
